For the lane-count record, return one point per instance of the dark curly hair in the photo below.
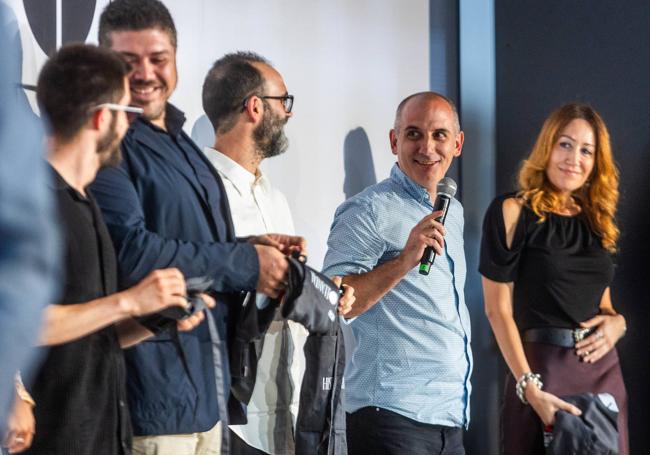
(134, 15)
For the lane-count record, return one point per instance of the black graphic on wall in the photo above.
(76, 19)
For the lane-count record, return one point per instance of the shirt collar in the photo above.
(174, 120)
(57, 183)
(240, 177)
(417, 192)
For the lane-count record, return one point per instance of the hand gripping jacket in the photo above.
(595, 432)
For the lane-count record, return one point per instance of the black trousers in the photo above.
(239, 447)
(377, 431)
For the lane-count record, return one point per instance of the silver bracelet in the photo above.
(523, 382)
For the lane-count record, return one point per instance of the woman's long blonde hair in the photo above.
(597, 197)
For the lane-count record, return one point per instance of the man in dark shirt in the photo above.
(80, 390)
(166, 206)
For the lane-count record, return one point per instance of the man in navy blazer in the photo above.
(165, 206)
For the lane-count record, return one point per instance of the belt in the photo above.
(566, 338)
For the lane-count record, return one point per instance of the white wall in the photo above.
(348, 63)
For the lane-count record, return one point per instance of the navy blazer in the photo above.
(163, 211)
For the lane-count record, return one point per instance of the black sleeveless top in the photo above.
(559, 267)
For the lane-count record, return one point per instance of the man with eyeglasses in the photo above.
(247, 103)
(80, 389)
(166, 205)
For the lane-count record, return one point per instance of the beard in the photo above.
(108, 146)
(269, 136)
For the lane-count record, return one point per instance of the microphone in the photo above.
(446, 189)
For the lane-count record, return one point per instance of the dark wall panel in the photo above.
(556, 51)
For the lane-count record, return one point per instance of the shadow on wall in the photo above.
(357, 161)
(359, 174)
(202, 132)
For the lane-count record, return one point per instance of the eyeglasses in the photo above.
(287, 101)
(118, 107)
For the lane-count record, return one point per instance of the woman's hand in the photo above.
(609, 329)
(546, 404)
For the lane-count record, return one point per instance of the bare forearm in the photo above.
(65, 323)
(509, 341)
(498, 308)
(130, 333)
(370, 287)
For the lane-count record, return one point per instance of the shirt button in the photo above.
(121, 404)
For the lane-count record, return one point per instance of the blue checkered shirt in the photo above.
(413, 354)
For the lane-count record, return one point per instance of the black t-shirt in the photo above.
(559, 267)
(80, 388)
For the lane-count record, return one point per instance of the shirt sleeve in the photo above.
(354, 245)
(498, 262)
(232, 265)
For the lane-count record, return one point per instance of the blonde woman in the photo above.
(546, 261)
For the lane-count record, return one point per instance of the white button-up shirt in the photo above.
(258, 208)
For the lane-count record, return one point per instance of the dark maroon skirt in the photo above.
(562, 374)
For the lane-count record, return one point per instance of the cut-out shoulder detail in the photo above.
(511, 209)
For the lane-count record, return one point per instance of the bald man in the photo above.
(407, 385)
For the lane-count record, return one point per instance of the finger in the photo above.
(267, 240)
(271, 292)
(593, 322)
(565, 406)
(171, 274)
(28, 438)
(295, 249)
(438, 246)
(273, 242)
(209, 301)
(168, 281)
(438, 226)
(593, 344)
(595, 355)
(595, 337)
(433, 243)
(176, 287)
(190, 323)
(177, 300)
(298, 241)
(17, 443)
(432, 231)
(428, 225)
(434, 215)
(346, 306)
(572, 409)
(337, 281)
(347, 290)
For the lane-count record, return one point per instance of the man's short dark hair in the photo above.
(229, 82)
(135, 15)
(75, 79)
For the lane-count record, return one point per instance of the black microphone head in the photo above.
(447, 186)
